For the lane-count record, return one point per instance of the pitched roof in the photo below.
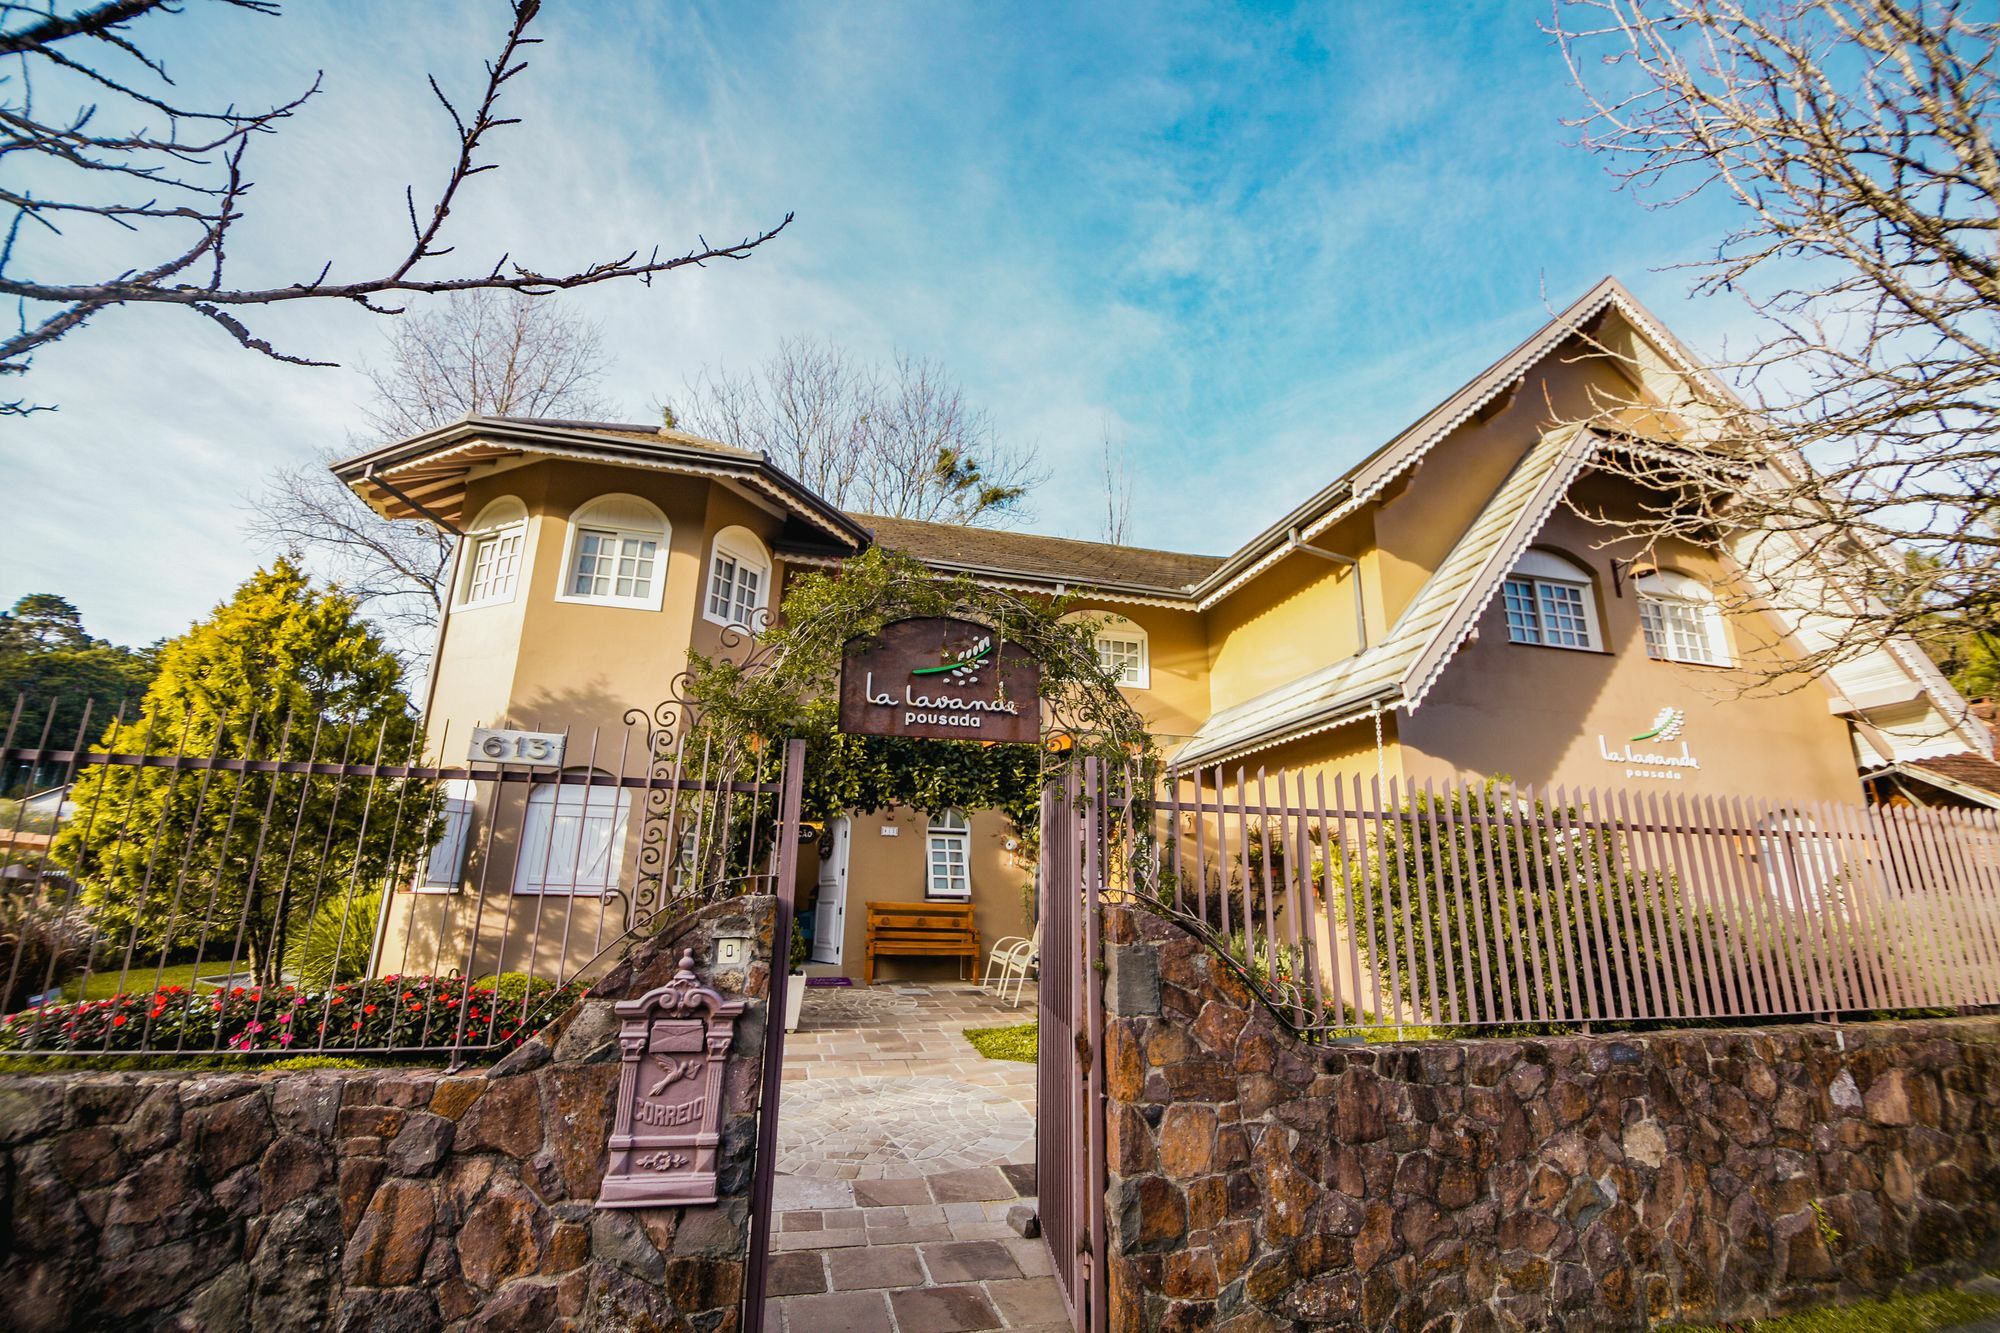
(1400, 669)
(1971, 777)
(427, 474)
(1171, 574)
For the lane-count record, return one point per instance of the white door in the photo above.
(830, 912)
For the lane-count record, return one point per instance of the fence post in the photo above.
(784, 872)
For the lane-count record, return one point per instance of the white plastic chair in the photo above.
(996, 961)
(1011, 961)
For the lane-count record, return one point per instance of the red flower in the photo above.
(118, 1022)
(366, 1009)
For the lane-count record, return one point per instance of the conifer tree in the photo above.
(175, 864)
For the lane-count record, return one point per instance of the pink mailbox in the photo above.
(675, 1042)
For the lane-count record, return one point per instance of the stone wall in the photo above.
(1258, 1182)
(395, 1199)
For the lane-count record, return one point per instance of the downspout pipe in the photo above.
(1298, 543)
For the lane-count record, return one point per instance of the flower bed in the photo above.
(410, 1013)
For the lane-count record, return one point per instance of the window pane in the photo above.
(1563, 620)
(1523, 626)
(721, 586)
(1677, 631)
(1125, 659)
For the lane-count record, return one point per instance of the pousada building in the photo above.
(1434, 612)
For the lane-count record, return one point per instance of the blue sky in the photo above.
(1249, 243)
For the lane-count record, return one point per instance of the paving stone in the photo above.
(801, 1193)
(886, 1193)
(838, 1312)
(845, 1219)
(973, 1186)
(799, 1274)
(901, 1235)
(1028, 1301)
(875, 1266)
(801, 1222)
(1032, 1257)
(1021, 1175)
(969, 1261)
(943, 1310)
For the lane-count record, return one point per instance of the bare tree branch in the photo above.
(1859, 472)
(900, 440)
(192, 170)
(478, 353)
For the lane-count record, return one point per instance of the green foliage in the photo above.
(38, 941)
(282, 670)
(1526, 910)
(1008, 1043)
(1908, 1313)
(800, 951)
(48, 659)
(790, 687)
(336, 944)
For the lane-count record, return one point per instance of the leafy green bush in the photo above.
(1456, 915)
(336, 943)
(37, 943)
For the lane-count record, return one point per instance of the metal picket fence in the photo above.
(1357, 905)
(337, 885)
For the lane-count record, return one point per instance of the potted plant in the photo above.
(795, 990)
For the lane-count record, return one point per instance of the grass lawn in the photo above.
(104, 985)
(1010, 1043)
(1898, 1314)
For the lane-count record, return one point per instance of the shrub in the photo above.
(414, 1013)
(1008, 1043)
(337, 942)
(38, 943)
(1548, 908)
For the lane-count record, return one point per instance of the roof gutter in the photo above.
(1382, 700)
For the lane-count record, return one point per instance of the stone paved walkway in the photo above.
(902, 1151)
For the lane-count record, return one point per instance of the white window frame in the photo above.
(502, 524)
(949, 835)
(741, 547)
(1666, 596)
(624, 518)
(581, 860)
(1540, 583)
(444, 868)
(1110, 629)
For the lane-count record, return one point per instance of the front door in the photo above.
(830, 914)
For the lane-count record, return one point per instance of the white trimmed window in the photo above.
(573, 840)
(617, 554)
(1681, 620)
(1122, 648)
(1549, 601)
(739, 579)
(948, 858)
(493, 550)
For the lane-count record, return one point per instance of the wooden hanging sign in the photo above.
(937, 678)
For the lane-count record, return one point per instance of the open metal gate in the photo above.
(1069, 1071)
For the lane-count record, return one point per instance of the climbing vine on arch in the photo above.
(788, 687)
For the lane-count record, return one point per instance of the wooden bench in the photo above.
(922, 930)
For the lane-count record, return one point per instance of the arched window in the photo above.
(739, 579)
(491, 566)
(617, 553)
(1681, 619)
(948, 848)
(1549, 601)
(1122, 648)
(573, 840)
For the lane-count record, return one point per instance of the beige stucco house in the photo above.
(1434, 612)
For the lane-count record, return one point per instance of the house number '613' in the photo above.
(537, 749)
